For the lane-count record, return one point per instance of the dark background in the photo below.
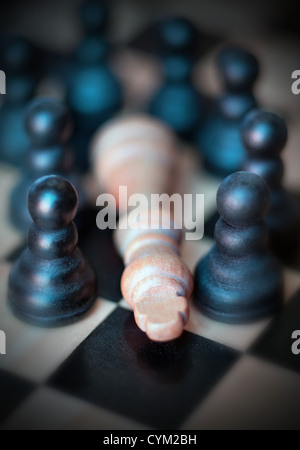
(55, 23)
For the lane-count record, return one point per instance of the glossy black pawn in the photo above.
(240, 280)
(264, 135)
(51, 283)
(49, 128)
(218, 138)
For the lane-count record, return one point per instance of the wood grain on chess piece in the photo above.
(156, 282)
(141, 153)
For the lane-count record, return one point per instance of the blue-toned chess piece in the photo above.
(93, 93)
(16, 58)
(85, 81)
(264, 135)
(178, 102)
(218, 137)
(177, 35)
(239, 280)
(51, 283)
(94, 16)
(49, 127)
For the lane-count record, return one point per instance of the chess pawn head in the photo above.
(264, 133)
(52, 202)
(177, 35)
(48, 122)
(94, 15)
(16, 55)
(238, 68)
(243, 199)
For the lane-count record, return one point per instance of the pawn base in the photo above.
(51, 322)
(238, 317)
(51, 293)
(225, 291)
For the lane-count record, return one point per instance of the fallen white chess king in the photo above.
(139, 152)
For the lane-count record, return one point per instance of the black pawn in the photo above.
(177, 36)
(264, 135)
(218, 138)
(94, 19)
(16, 60)
(94, 15)
(238, 69)
(240, 280)
(178, 102)
(94, 93)
(49, 128)
(51, 283)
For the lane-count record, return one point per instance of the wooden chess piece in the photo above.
(51, 283)
(140, 153)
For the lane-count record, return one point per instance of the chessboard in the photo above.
(104, 373)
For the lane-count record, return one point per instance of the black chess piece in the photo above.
(86, 81)
(16, 59)
(178, 102)
(94, 16)
(179, 38)
(218, 137)
(177, 35)
(264, 135)
(49, 127)
(94, 94)
(83, 78)
(240, 280)
(51, 283)
(238, 69)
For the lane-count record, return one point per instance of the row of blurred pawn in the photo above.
(229, 132)
(263, 134)
(85, 82)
